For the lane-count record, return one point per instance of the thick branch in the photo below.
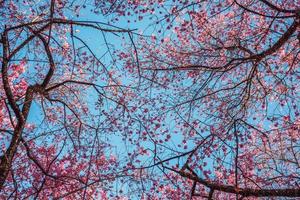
(274, 7)
(290, 31)
(245, 192)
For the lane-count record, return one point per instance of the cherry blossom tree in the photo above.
(204, 99)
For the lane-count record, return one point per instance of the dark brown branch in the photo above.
(7, 158)
(274, 7)
(245, 192)
(290, 31)
(4, 71)
(52, 4)
(257, 13)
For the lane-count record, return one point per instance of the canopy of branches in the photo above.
(150, 99)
